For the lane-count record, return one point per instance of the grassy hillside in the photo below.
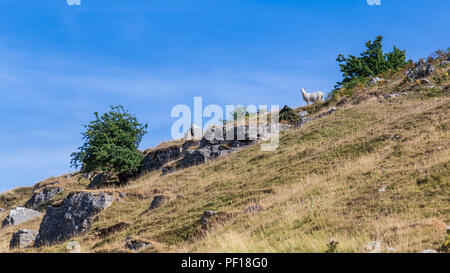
(376, 169)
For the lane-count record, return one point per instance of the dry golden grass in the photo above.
(323, 182)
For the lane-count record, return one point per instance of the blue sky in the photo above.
(61, 63)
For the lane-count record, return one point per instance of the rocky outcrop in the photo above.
(20, 215)
(73, 217)
(217, 141)
(40, 197)
(421, 69)
(163, 159)
(22, 238)
(155, 159)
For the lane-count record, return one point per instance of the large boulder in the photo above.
(421, 69)
(23, 238)
(20, 215)
(42, 196)
(73, 217)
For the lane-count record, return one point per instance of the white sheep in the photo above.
(312, 97)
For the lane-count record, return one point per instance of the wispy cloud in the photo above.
(46, 98)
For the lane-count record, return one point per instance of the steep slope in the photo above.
(377, 169)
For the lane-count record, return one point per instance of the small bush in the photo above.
(288, 115)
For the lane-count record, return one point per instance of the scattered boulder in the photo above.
(421, 69)
(73, 217)
(382, 189)
(391, 249)
(23, 238)
(20, 215)
(1, 210)
(73, 247)
(250, 209)
(429, 251)
(445, 63)
(105, 232)
(374, 247)
(396, 95)
(157, 202)
(39, 198)
(332, 246)
(207, 214)
(302, 114)
(181, 196)
(375, 80)
(304, 121)
(136, 245)
(330, 111)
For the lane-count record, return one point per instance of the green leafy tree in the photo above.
(239, 112)
(371, 62)
(111, 144)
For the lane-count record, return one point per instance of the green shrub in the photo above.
(371, 62)
(288, 114)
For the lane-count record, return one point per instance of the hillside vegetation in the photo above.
(377, 169)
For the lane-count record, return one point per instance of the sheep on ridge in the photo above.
(312, 97)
